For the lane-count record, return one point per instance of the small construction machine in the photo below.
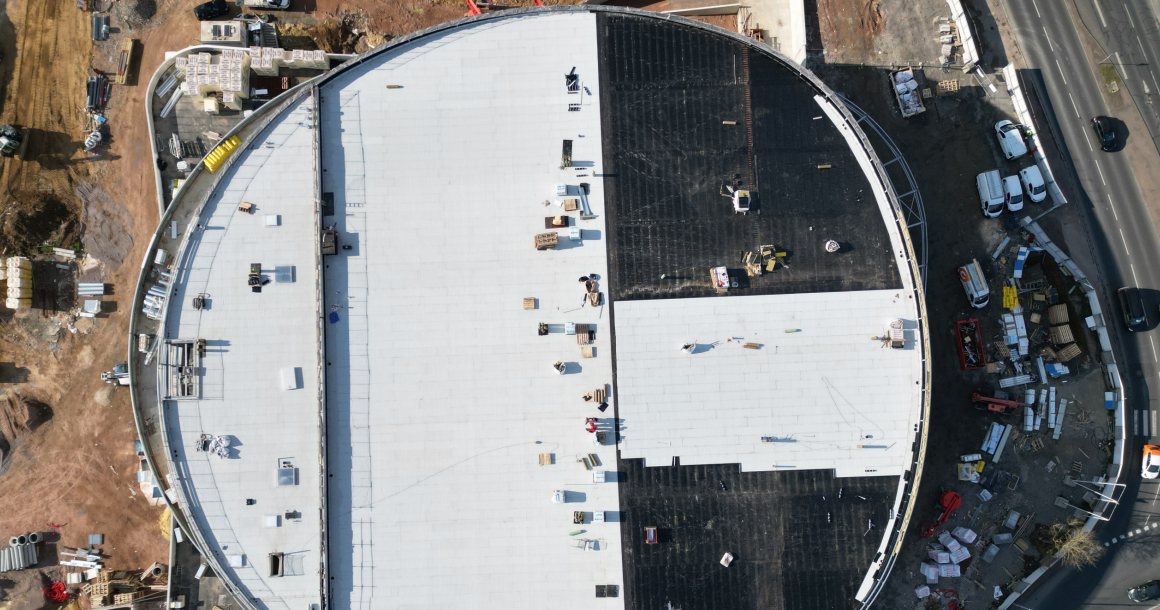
(10, 140)
(1001, 406)
(118, 376)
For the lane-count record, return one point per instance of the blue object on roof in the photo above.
(1109, 400)
(1056, 370)
(333, 317)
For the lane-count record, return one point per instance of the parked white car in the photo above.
(1010, 139)
(1033, 181)
(1014, 193)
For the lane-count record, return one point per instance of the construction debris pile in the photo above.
(215, 445)
(114, 587)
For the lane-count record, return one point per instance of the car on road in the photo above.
(1150, 469)
(1010, 139)
(211, 10)
(1033, 181)
(1132, 304)
(1014, 193)
(1105, 132)
(1149, 591)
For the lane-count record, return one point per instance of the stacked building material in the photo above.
(234, 73)
(18, 557)
(18, 273)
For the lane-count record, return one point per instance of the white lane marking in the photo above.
(1112, 205)
(1061, 71)
(1136, 424)
(1100, 13)
(1125, 240)
(1083, 131)
(1036, 9)
(1132, 23)
(1141, 43)
(1101, 171)
(1153, 342)
(1154, 79)
(1049, 45)
(1137, 282)
(1076, 109)
(1144, 427)
(1153, 431)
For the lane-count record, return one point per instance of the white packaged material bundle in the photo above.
(939, 556)
(948, 541)
(964, 535)
(922, 591)
(903, 76)
(960, 555)
(949, 570)
(180, 63)
(930, 571)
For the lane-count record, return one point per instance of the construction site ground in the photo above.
(947, 146)
(69, 466)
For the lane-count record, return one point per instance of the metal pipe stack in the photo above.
(18, 556)
(19, 275)
(90, 289)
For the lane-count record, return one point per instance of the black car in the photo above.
(1132, 302)
(1105, 131)
(211, 10)
(1149, 591)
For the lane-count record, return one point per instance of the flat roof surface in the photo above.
(448, 431)
(666, 92)
(442, 394)
(800, 539)
(824, 393)
(251, 339)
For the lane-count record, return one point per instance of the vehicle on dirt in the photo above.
(1132, 303)
(1150, 469)
(1105, 132)
(211, 10)
(1010, 139)
(1033, 182)
(1149, 591)
(10, 140)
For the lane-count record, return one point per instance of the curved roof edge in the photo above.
(200, 185)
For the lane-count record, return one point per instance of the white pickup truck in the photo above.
(270, 5)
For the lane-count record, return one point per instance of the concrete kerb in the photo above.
(893, 537)
(1015, 89)
(1112, 374)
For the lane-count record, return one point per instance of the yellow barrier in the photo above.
(1010, 297)
(222, 152)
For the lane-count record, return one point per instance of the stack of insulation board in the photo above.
(18, 557)
(18, 273)
(311, 60)
(234, 72)
(265, 61)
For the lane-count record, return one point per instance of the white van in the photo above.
(1013, 192)
(975, 285)
(991, 193)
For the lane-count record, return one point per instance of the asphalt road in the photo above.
(1128, 252)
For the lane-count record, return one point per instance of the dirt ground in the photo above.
(69, 465)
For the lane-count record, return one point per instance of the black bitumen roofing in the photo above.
(665, 91)
(796, 544)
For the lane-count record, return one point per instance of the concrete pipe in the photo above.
(13, 541)
(22, 539)
(35, 538)
(156, 572)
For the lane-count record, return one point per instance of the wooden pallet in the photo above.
(545, 241)
(530, 303)
(582, 334)
(588, 351)
(948, 87)
(597, 396)
(1068, 352)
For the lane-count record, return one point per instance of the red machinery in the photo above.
(998, 405)
(949, 502)
(590, 424)
(972, 355)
